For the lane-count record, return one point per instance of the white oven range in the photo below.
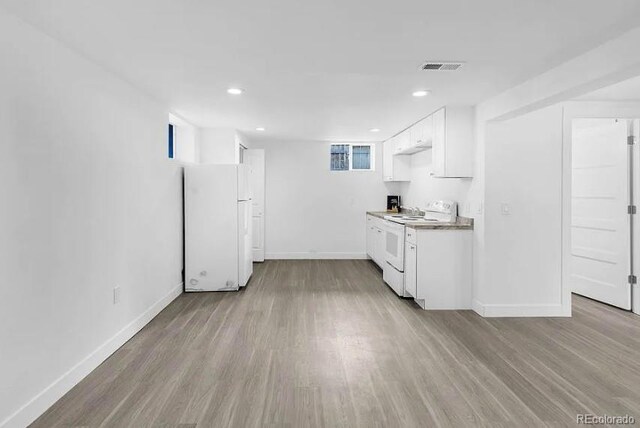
(393, 271)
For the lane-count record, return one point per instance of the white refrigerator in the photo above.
(217, 215)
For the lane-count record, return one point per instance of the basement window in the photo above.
(352, 157)
(171, 141)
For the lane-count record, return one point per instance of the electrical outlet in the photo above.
(116, 295)
(505, 209)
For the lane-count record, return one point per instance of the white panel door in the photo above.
(600, 223)
(255, 158)
(258, 237)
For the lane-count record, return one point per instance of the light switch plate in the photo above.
(116, 295)
(505, 209)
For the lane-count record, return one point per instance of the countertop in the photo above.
(461, 223)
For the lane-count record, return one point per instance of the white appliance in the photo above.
(217, 214)
(393, 270)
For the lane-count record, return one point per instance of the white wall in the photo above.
(312, 212)
(606, 64)
(220, 145)
(523, 248)
(423, 187)
(89, 200)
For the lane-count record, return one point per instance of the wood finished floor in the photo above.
(326, 343)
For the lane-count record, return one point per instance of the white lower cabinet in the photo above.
(442, 268)
(370, 240)
(375, 240)
(379, 247)
(410, 268)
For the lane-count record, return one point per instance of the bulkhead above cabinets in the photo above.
(448, 132)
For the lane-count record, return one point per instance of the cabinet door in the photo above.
(379, 247)
(411, 269)
(427, 132)
(396, 167)
(371, 241)
(415, 135)
(403, 141)
(439, 135)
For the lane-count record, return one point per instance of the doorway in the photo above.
(602, 209)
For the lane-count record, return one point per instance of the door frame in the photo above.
(591, 109)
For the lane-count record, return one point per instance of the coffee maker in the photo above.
(393, 203)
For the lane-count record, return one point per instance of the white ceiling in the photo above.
(627, 90)
(329, 69)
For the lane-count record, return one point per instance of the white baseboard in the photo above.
(477, 307)
(314, 256)
(45, 399)
(490, 311)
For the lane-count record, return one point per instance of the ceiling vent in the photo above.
(441, 65)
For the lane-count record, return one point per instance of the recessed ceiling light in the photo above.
(421, 93)
(235, 91)
(374, 130)
(260, 128)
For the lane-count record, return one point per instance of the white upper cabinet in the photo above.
(395, 167)
(428, 131)
(403, 142)
(448, 132)
(453, 142)
(415, 139)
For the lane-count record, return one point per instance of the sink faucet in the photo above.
(412, 210)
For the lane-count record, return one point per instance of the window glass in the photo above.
(339, 157)
(171, 141)
(361, 157)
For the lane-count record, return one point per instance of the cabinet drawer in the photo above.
(410, 235)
